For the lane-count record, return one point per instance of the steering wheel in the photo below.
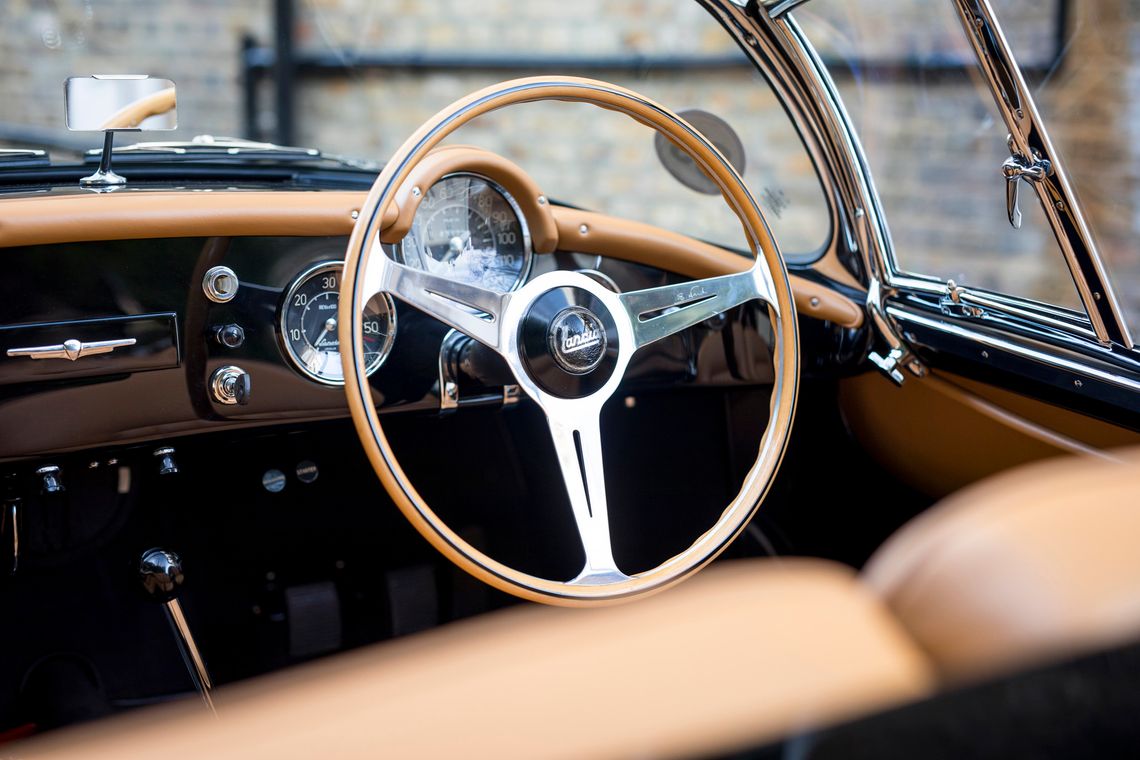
(568, 340)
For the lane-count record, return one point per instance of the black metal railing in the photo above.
(285, 65)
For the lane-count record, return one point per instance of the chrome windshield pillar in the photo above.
(1030, 145)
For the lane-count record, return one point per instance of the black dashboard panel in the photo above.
(108, 346)
(80, 403)
(123, 286)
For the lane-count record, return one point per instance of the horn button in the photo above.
(568, 342)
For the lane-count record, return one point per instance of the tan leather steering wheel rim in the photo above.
(368, 270)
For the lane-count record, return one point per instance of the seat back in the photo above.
(1039, 563)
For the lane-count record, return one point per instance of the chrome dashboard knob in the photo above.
(220, 284)
(52, 482)
(166, 463)
(230, 385)
(230, 336)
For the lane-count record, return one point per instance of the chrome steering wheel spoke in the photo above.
(657, 313)
(471, 310)
(576, 432)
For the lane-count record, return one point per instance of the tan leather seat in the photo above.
(1040, 563)
(744, 653)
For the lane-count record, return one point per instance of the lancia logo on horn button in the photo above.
(577, 340)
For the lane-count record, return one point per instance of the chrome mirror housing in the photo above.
(112, 103)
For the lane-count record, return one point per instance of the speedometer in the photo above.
(471, 230)
(309, 325)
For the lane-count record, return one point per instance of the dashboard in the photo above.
(141, 315)
(273, 326)
(170, 376)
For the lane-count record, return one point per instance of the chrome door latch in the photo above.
(1015, 169)
(71, 349)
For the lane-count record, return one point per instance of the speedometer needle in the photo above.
(330, 325)
(458, 245)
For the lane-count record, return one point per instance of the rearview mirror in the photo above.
(111, 103)
(120, 102)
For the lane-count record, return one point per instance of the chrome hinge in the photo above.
(953, 305)
(1015, 169)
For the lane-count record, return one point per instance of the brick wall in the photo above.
(935, 147)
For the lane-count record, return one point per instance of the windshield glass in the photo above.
(356, 77)
(935, 142)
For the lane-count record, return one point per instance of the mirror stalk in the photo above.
(105, 178)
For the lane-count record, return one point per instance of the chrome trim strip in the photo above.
(71, 349)
(779, 49)
(974, 298)
(1062, 319)
(846, 158)
(14, 507)
(1026, 352)
(777, 8)
(1030, 140)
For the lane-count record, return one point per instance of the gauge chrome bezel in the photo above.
(283, 330)
(528, 250)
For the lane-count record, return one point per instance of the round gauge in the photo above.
(470, 230)
(309, 325)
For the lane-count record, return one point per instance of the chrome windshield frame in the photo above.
(1028, 137)
(779, 48)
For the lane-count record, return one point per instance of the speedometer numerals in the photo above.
(470, 230)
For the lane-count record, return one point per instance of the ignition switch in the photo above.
(230, 385)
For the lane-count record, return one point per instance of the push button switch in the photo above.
(230, 336)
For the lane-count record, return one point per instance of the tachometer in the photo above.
(469, 229)
(309, 325)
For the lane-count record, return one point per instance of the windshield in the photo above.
(356, 77)
(935, 140)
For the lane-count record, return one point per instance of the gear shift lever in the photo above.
(161, 575)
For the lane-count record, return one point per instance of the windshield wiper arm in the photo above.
(227, 148)
(23, 157)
